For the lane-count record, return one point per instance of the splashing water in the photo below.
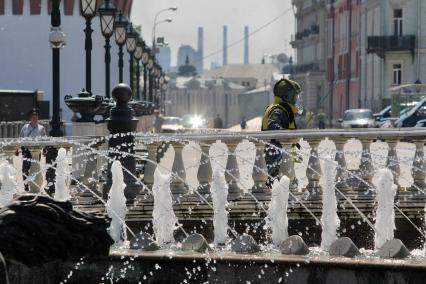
(329, 219)
(277, 219)
(17, 164)
(116, 205)
(385, 213)
(62, 182)
(219, 191)
(8, 183)
(164, 219)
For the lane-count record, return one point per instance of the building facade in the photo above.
(232, 91)
(309, 42)
(393, 48)
(343, 57)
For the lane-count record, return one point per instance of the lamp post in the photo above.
(131, 37)
(138, 57)
(57, 40)
(120, 27)
(162, 81)
(88, 11)
(174, 9)
(150, 65)
(107, 15)
(145, 58)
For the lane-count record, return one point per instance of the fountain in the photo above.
(237, 229)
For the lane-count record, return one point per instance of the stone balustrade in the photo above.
(382, 144)
(358, 153)
(12, 129)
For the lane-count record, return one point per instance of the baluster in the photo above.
(178, 185)
(150, 165)
(418, 169)
(259, 172)
(392, 159)
(204, 174)
(232, 174)
(366, 168)
(287, 163)
(313, 172)
(3, 133)
(342, 172)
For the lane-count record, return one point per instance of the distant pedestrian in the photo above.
(30, 130)
(321, 119)
(243, 123)
(217, 122)
(158, 121)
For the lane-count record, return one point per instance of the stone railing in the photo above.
(11, 129)
(358, 153)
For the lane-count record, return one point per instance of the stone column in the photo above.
(260, 171)
(366, 169)
(418, 169)
(232, 173)
(150, 165)
(205, 172)
(342, 172)
(178, 185)
(287, 163)
(314, 172)
(392, 162)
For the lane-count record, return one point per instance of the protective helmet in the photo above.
(287, 90)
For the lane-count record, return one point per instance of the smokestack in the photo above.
(225, 45)
(201, 48)
(246, 45)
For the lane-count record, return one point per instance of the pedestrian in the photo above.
(280, 115)
(158, 121)
(217, 122)
(243, 123)
(30, 130)
(321, 119)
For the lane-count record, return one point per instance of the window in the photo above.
(397, 74)
(397, 22)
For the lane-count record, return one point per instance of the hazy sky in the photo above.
(213, 15)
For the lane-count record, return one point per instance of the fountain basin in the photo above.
(224, 267)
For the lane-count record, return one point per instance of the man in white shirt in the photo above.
(30, 130)
(33, 129)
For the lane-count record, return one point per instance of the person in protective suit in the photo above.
(280, 115)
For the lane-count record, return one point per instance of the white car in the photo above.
(358, 118)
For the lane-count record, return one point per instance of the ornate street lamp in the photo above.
(162, 99)
(57, 40)
(145, 58)
(138, 57)
(88, 11)
(120, 27)
(131, 43)
(150, 65)
(107, 14)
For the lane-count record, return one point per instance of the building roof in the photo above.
(257, 71)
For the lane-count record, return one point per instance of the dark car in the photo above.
(411, 117)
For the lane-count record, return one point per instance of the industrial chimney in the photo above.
(246, 45)
(225, 45)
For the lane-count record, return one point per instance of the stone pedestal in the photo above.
(122, 125)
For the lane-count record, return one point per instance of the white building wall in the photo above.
(26, 56)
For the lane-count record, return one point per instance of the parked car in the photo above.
(385, 119)
(358, 118)
(421, 123)
(411, 117)
(172, 124)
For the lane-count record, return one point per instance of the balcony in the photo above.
(305, 68)
(382, 44)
